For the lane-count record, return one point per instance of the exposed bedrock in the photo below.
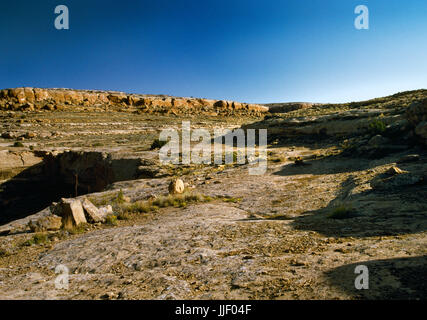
(417, 116)
(63, 99)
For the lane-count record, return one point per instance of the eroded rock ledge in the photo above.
(63, 99)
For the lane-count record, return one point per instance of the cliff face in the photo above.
(31, 99)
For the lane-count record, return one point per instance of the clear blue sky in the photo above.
(249, 51)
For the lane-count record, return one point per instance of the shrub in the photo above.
(377, 127)
(111, 220)
(232, 200)
(81, 228)
(38, 238)
(342, 212)
(18, 144)
(176, 200)
(123, 215)
(120, 197)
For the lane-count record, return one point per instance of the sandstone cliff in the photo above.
(31, 99)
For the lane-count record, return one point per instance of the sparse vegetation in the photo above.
(377, 127)
(81, 228)
(38, 238)
(111, 220)
(345, 211)
(120, 197)
(232, 200)
(177, 200)
(3, 253)
(18, 144)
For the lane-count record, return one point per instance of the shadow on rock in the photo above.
(401, 278)
(388, 212)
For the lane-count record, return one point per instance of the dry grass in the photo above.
(145, 206)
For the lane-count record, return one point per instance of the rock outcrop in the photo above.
(30, 99)
(417, 116)
(287, 107)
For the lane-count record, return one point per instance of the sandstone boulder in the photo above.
(72, 213)
(92, 212)
(176, 186)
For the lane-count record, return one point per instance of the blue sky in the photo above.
(244, 50)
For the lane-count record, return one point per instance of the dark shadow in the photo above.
(67, 175)
(369, 213)
(390, 279)
(329, 165)
(31, 191)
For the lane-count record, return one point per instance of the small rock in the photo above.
(105, 211)
(176, 186)
(30, 135)
(108, 296)
(395, 170)
(378, 140)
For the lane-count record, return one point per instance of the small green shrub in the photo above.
(120, 197)
(18, 144)
(377, 127)
(232, 200)
(111, 220)
(38, 238)
(342, 212)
